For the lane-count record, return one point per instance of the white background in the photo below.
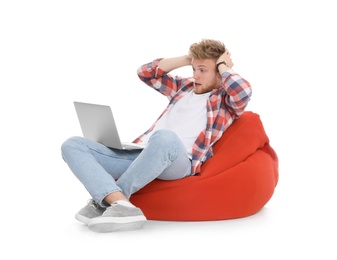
(55, 52)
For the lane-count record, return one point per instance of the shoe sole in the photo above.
(82, 219)
(112, 224)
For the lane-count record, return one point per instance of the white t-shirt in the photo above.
(187, 118)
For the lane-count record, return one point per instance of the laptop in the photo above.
(98, 124)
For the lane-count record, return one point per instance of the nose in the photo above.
(195, 75)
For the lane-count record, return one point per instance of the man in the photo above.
(200, 109)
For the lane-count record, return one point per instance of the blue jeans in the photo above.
(103, 170)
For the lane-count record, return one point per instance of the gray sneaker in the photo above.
(118, 218)
(91, 210)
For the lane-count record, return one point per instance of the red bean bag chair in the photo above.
(236, 182)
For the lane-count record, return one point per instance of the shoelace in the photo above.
(93, 203)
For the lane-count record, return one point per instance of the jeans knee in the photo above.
(70, 144)
(164, 137)
(165, 142)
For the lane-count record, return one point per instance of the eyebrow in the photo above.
(200, 66)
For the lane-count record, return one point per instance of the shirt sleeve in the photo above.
(152, 75)
(237, 92)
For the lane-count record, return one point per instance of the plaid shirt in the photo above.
(224, 105)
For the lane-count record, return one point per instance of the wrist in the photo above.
(221, 64)
(188, 59)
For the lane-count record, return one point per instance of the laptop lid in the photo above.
(98, 124)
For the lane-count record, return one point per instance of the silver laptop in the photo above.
(98, 124)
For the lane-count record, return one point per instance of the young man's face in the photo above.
(205, 75)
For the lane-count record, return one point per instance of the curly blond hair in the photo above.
(207, 49)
